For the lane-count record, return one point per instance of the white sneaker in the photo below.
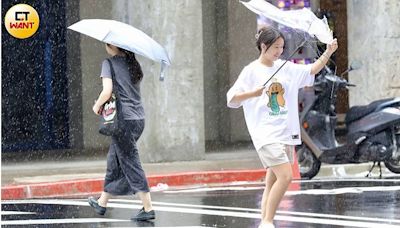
(266, 225)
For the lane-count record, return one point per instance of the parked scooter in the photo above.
(373, 131)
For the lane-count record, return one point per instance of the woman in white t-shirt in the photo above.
(271, 111)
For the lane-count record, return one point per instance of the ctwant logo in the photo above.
(21, 21)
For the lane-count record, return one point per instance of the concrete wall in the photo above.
(373, 39)
(242, 50)
(92, 54)
(229, 45)
(175, 107)
(212, 77)
(74, 77)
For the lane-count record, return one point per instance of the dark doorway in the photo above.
(336, 13)
(34, 82)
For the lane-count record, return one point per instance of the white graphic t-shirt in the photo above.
(273, 116)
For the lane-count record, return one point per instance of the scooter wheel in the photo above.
(393, 165)
(309, 165)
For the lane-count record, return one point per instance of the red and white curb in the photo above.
(89, 186)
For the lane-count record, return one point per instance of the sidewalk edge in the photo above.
(85, 186)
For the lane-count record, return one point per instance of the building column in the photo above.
(373, 40)
(174, 108)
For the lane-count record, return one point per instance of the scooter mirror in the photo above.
(355, 65)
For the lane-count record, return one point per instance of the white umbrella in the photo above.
(124, 36)
(302, 19)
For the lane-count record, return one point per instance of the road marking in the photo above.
(346, 180)
(212, 189)
(16, 213)
(307, 214)
(59, 221)
(337, 191)
(313, 220)
(334, 191)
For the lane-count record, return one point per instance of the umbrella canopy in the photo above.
(302, 19)
(124, 36)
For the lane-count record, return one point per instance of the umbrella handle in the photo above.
(162, 71)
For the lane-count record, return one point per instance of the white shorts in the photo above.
(276, 154)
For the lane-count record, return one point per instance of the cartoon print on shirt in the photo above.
(275, 93)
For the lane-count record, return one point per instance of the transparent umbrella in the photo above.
(124, 36)
(302, 19)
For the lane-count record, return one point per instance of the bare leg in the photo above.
(103, 200)
(270, 179)
(146, 200)
(283, 175)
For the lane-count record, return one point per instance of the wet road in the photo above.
(315, 203)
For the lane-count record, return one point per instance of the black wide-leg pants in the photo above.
(125, 175)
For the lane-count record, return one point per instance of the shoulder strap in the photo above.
(113, 77)
(111, 68)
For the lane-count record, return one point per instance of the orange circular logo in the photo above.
(21, 21)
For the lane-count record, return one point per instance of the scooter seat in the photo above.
(357, 112)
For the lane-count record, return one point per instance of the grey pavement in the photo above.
(17, 172)
(245, 158)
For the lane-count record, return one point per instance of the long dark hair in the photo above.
(134, 67)
(267, 35)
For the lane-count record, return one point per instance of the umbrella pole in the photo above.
(291, 55)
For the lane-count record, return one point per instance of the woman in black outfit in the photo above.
(124, 175)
